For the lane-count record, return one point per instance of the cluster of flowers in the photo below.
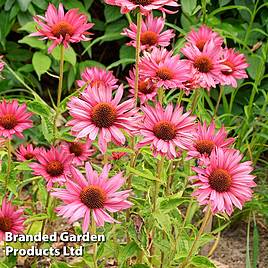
(206, 62)
(222, 180)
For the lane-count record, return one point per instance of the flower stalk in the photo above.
(44, 220)
(160, 167)
(195, 100)
(93, 232)
(9, 160)
(59, 89)
(138, 45)
(218, 101)
(199, 234)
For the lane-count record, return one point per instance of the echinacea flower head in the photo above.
(99, 77)
(151, 33)
(233, 67)
(147, 90)
(206, 139)
(11, 219)
(14, 119)
(62, 28)
(80, 150)
(225, 182)
(190, 85)
(206, 63)
(145, 6)
(28, 152)
(97, 112)
(202, 36)
(166, 130)
(53, 165)
(92, 195)
(165, 70)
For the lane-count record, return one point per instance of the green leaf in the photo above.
(34, 228)
(69, 4)
(47, 129)
(105, 38)
(2, 265)
(127, 52)
(224, 2)
(69, 55)
(5, 26)
(128, 251)
(119, 62)
(90, 63)
(111, 13)
(9, 4)
(116, 27)
(188, 6)
(24, 4)
(42, 4)
(37, 217)
(29, 27)
(23, 166)
(202, 262)
(147, 174)
(255, 245)
(32, 42)
(255, 61)
(175, 27)
(60, 265)
(171, 202)
(140, 266)
(221, 9)
(39, 108)
(41, 63)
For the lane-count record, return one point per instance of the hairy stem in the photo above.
(9, 160)
(200, 232)
(180, 97)
(138, 44)
(93, 232)
(160, 167)
(195, 99)
(218, 101)
(44, 220)
(204, 10)
(161, 95)
(59, 89)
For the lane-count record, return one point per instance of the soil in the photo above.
(231, 250)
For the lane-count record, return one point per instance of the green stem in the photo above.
(218, 101)
(195, 99)
(93, 232)
(19, 79)
(160, 166)
(44, 220)
(251, 22)
(180, 97)
(9, 160)
(160, 95)
(204, 10)
(129, 178)
(169, 180)
(59, 89)
(200, 232)
(138, 44)
(128, 18)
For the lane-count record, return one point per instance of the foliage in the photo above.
(31, 75)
